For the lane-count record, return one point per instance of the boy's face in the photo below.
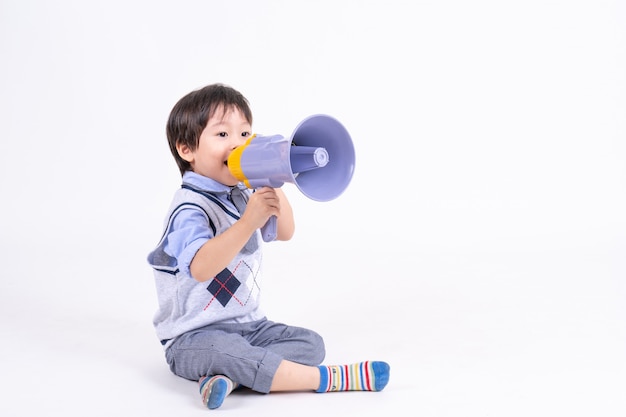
(226, 130)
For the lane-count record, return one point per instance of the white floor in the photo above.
(496, 334)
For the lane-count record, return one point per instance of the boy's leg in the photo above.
(292, 343)
(221, 350)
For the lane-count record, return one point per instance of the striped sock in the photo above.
(362, 376)
(214, 389)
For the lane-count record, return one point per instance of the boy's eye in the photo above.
(245, 134)
(222, 134)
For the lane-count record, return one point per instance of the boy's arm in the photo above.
(215, 255)
(285, 224)
(217, 252)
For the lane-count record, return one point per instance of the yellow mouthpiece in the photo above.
(234, 162)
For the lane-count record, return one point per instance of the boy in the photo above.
(207, 269)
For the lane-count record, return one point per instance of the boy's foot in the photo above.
(214, 389)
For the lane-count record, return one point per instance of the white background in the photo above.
(479, 249)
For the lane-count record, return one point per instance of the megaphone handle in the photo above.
(268, 231)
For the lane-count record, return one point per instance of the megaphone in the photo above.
(318, 158)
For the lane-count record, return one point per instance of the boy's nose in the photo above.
(240, 141)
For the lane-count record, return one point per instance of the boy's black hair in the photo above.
(191, 114)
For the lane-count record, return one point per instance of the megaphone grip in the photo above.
(268, 231)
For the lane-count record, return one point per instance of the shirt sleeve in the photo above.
(188, 232)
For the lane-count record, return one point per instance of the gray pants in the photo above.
(247, 353)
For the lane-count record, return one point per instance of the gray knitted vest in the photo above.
(185, 304)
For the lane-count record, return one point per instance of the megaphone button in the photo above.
(320, 156)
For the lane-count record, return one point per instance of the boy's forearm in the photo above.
(285, 223)
(219, 251)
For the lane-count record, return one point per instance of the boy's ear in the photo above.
(184, 152)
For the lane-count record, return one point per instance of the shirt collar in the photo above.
(208, 184)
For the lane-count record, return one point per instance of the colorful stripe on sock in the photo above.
(362, 376)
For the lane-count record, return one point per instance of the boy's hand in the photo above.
(263, 204)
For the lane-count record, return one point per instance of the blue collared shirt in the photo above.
(190, 229)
